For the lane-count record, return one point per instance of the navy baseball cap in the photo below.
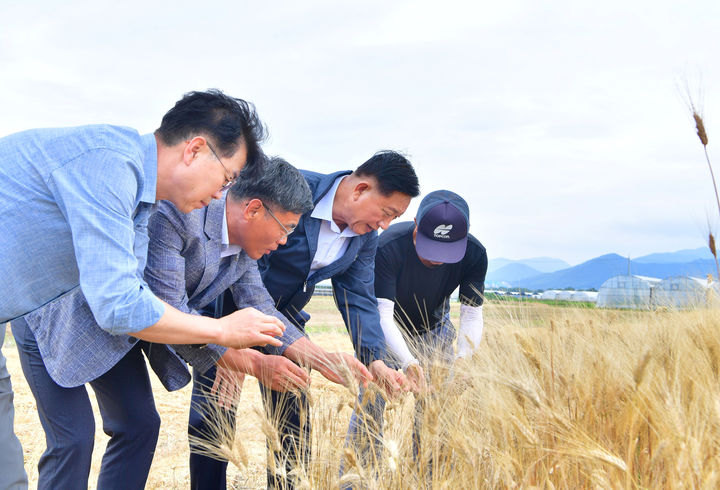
(442, 221)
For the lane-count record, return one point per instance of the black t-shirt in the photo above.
(421, 293)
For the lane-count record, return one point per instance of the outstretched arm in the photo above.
(275, 372)
(338, 367)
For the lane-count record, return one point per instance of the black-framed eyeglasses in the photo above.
(229, 181)
(285, 230)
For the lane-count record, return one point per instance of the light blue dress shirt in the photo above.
(74, 205)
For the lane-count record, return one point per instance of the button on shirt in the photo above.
(332, 242)
(74, 206)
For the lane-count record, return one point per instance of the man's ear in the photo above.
(360, 188)
(192, 149)
(253, 209)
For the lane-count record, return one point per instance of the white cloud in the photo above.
(560, 122)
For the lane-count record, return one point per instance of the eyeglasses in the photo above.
(229, 181)
(285, 230)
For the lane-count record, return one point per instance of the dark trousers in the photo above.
(206, 473)
(128, 413)
(12, 470)
(289, 414)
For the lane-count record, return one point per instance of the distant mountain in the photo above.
(499, 263)
(590, 274)
(594, 272)
(510, 273)
(545, 264)
(538, 264)
(688, 255)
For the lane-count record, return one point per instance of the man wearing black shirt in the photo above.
(417, 267)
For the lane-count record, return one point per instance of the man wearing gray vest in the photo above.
(194, 257)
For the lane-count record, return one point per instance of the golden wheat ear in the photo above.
(700, 127)
(702, 134)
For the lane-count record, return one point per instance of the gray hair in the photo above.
(278, 184)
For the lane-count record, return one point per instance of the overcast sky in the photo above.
(560, 122)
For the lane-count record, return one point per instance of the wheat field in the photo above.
(555, 397)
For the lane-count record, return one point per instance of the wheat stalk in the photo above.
(702, 135)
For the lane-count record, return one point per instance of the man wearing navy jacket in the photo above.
(337, 240)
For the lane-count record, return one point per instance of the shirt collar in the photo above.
(150, 168)
(225, 236)
(226, 248)
(323, 210)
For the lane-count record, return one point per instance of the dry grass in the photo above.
(554, 398)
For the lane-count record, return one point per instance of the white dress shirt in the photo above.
(226, 248)
(332, 242)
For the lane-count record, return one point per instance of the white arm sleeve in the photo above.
(393, 336)
(471, 327)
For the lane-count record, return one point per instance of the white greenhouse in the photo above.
(586, 296)
(569, 295)
(682, 292)
(627, 292)
(549, 294)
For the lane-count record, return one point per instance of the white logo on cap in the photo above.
(442, 231)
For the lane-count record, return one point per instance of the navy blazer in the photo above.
(285, 274)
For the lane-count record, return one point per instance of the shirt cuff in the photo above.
(291, 335)
(367, 355)
(145, 311)
(200, 358)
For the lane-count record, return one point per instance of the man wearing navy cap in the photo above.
(417, 267)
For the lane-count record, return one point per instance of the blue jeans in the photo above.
(128, 412)
(366, 425)
(12, 471)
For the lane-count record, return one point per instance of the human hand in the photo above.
(339, 366)
(249, 327)
(279, 373)
(416, 379)
(391, 381)
(227, 387)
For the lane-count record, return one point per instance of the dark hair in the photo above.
(225, 120)
(279, 185)
(393, 172)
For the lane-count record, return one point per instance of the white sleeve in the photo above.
(393, 336)
(471, 327)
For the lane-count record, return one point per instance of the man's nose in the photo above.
(385, 223)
